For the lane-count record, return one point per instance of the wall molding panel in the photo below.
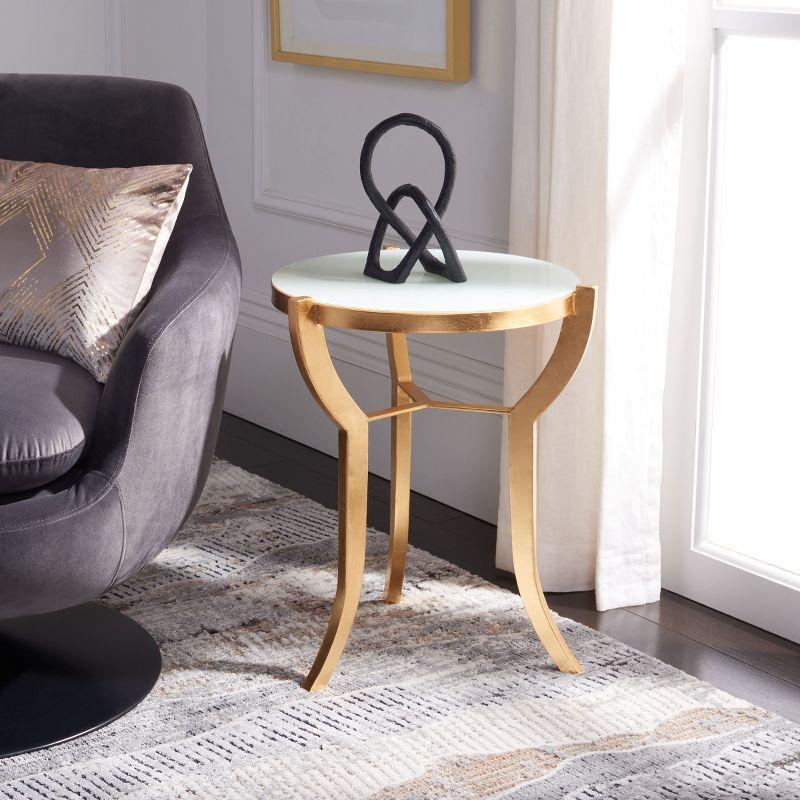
(439, 371)
(316, 210)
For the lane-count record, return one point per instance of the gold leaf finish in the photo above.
(307, 321)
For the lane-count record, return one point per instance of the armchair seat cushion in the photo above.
(48, 406)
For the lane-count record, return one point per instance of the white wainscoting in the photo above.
(316, 209)
(444, 372)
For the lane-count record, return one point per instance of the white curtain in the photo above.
(597, 128)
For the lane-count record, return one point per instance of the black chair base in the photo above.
(70, 672)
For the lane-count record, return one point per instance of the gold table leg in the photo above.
(400, 369)
(314, 361)
(569, 350)
(316, 367)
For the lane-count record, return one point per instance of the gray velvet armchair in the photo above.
(145, 439)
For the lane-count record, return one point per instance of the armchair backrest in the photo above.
(98, 121)
(160, 409)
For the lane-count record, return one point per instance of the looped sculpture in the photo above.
(451, 267)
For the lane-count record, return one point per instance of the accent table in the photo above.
(502, 292)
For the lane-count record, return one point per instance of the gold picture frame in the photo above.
(457, 69)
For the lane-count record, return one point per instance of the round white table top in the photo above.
(496, 282)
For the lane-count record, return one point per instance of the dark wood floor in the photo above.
(729, 654)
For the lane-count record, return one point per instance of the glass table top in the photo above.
(495, 282)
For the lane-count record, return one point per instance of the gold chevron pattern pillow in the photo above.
(79, 249)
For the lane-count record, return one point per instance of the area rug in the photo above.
(447, 695)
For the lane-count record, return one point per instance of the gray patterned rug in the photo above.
(447, 695)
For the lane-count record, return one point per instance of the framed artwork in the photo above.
(414, 38)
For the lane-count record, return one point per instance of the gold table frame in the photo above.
(307, 322)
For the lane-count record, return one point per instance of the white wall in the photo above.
(47, 36)
(285, 141)
(141, 38)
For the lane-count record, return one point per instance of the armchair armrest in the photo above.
(159, 414)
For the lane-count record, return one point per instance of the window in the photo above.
(748, 479)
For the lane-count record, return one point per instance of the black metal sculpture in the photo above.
(451, 267)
